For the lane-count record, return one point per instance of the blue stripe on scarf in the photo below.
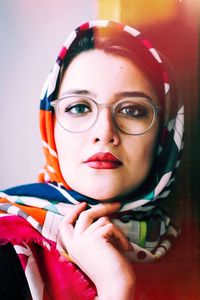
(37, 190)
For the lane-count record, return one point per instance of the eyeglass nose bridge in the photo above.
(104, 105)
(101, 106)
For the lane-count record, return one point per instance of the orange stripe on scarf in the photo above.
(37, 213)
(47, 122)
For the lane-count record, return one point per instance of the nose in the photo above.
(105, 131)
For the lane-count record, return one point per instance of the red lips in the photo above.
(103, 161)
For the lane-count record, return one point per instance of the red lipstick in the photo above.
(103, 161)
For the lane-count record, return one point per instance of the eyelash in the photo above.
(69, 109)
(141, 110)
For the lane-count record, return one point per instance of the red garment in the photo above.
(175, 277)
(62, 279)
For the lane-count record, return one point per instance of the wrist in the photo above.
(120, 292)
(123, 295)
(121, 286)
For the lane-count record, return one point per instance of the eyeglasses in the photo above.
(132, 115)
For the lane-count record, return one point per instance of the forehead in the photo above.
(104, 74)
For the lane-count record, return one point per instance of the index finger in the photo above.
(87, 217)
(66, 227)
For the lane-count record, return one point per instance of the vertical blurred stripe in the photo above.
(31, 34)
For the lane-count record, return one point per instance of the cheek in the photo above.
(142, 151)
(148, 150)
(65, 145)
(70, 151)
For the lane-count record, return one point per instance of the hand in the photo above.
(96, 245)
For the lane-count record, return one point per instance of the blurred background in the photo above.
(32, 33)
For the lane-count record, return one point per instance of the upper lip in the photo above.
(101, 156)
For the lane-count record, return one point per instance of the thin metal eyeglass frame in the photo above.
(99, 106)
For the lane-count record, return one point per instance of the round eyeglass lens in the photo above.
(134, 116)
(76, 114)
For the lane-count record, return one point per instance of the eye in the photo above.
(133, 111)
(77, 109)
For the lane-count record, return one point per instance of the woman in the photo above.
(112, 134)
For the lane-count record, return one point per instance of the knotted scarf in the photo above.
(142, 218)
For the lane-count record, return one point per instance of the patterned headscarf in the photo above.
(142, 219)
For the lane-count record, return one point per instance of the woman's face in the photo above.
(103, 77)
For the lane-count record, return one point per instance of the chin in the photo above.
(101, 194)
(105, 188)
(106, 195)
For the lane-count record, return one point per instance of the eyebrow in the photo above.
(132, 94)
(78, 92)
(117, 96)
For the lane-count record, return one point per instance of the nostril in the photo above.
(104, 140)
(105, 134)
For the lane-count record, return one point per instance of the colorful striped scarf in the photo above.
(142, 218)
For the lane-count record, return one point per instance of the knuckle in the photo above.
(108, 228)
(104, 220)
(83, 214)
(86, 215)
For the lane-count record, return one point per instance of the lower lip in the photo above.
(104, 164)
